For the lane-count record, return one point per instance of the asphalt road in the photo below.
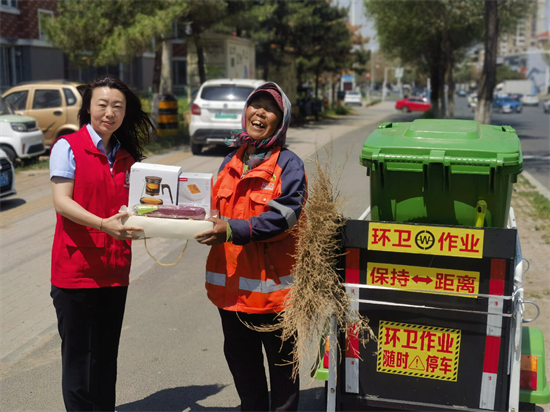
(171, 349)
(171, 354)
(533, 128)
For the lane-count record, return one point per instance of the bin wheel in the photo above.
(527, 407)
(196, 148)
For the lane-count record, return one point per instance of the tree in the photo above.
(497, 13)
(427, 35)
(505, 73)
(322, 40)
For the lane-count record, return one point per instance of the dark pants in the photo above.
(243, 352)
(89, 323)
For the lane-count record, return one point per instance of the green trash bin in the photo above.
(442, 172)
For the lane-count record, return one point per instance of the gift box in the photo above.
(195, 190)
(153, 184)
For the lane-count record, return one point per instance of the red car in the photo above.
(413, 104)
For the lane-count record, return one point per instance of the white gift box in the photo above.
(153, 184)
(195, 190)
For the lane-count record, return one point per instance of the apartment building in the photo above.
(523, 49)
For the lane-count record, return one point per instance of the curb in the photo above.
(538, 186)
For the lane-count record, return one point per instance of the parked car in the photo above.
(530, 100)
(54, 104)
(507, 105)
(546, 106)
(472, 98)
(20, 137)
(413, 104)
(217, 110)
(353, 98)
(461, 93)
(7, 173)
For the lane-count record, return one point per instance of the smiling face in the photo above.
(107, 110)
(263, 117)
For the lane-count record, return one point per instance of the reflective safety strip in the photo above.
(286, 211)
(352, 375)
(224, 218)
(493, 336)
(352, 347)
(214, 278)
(265, 286)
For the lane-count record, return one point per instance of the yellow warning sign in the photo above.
(415, 350)
(413, 278)
(428, 240)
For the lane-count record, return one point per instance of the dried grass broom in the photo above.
(317, 292)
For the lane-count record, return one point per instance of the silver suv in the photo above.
(217, 110)
(20, 137)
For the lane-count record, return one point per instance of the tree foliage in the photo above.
(427, 35)
(103, 32)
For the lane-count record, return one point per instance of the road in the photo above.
(171, 348)
(533, 128)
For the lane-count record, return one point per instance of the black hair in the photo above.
(136, 128)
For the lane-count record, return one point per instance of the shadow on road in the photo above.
(186, 398)
(177, 399)
(12, 203)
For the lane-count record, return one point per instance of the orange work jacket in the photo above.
(253, 273)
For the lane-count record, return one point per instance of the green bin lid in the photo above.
(451, 142)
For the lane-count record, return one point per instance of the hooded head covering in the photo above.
(279, 137)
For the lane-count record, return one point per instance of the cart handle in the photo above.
(538, 311)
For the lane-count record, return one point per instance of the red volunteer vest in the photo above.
(84, 257)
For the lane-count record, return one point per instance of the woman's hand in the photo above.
(216, 236)
(113, 226)
(62, 190)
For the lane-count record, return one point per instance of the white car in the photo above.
(7, 174)
(217, 110)
(353, 98)
(20, 137)
(530, 100)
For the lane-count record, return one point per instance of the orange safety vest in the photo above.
(255, 277)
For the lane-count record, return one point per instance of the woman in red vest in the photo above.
(259, 192)
(91, 255)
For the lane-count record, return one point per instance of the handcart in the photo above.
(438, 271)
(449, 322)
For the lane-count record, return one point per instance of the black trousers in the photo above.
(243, 352)
(89, 323)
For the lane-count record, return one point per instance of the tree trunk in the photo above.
(488, 75)
(317, 75)
(449, 81)
(200, 57)
(450, 93)
(156, 86)
(435, 88)
(166, 68)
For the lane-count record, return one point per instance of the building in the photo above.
(224, 56)
(26, 54)
(523, 49)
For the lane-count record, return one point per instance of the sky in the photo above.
(357, 17)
